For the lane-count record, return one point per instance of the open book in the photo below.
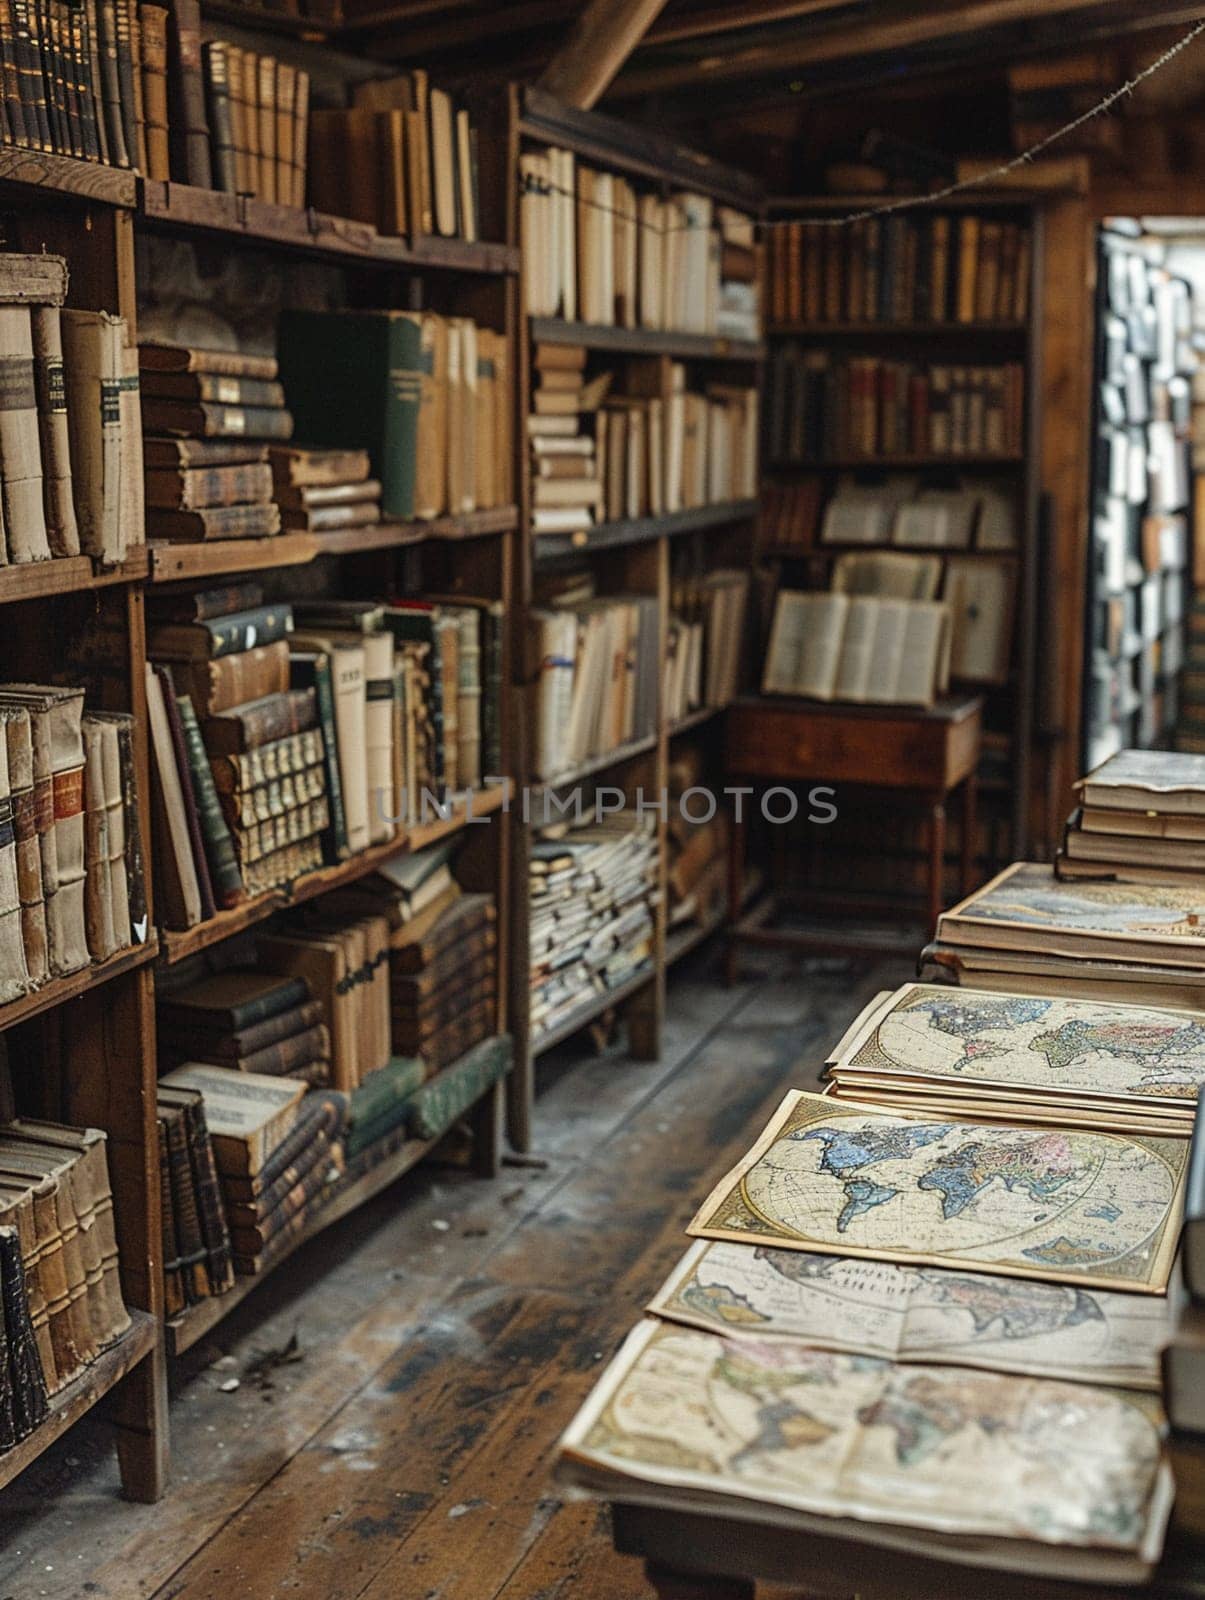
(862, 648)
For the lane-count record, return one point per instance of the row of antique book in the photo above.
(821, 407)
(72, 873)
(597, 249)
(1008, 1144)
(314, 1048)
(70, 442)
(284, 742)
(935, 268)
(601, 456)
(593, 887)
(903, 509)
(133, 86)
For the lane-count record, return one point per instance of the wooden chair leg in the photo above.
(669, 1585)
(487, 1133)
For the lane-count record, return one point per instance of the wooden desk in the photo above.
(921, 756)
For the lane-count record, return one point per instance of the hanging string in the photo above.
(530, 183)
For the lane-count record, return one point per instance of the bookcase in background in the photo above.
(653, 559)
(910, 348)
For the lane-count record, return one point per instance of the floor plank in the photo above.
(448, 1332)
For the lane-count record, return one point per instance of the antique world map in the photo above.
(1021, 1041)
(1068, 1205)
(787, 1424)
(919, 1313)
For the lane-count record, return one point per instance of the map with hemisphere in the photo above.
(1072, 1206)
(1023, 1041)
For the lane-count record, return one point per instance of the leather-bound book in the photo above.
(29, 1397)
(37, 1166)
(260, 722)
(295, 469)
(92, 359)
(467, 1029)
(225, 878)
(328, 965)
(286, 94)
(10, 83)
(248, 1114)
(188, 130)
(205, 420)
(206, 1188)
(287, 1055)
(322, 1116)
(42, 1196)
(249, 1242)
(17, 1212)
(301, 137)
(184, 454)
(284, 866)
(349, 695)
(201, 605)
(62, 531)
(154, 91)
(10, 1400)
(129, 879)
(158, 356)
(248, 1213)
(125, 79)
(266, 106)
(177, 890)
(18, 732)
(413, 1027)
(193, 1257)
(460, 964)
(139, 154)
(98, 885)
(77, 20)
(14, 971)
(215, 387)
(312, 670)
(327, 519)
(458, 922)
(20, 447)
(216, 522)
(250, 98)
(32, 73)
(222, 635)
(132, 494)
(216, 69)
(192, 815)
(229, 1046)
(242, 774)
(216, 686)
(110, 84)
(173, 1279)
(230, 1000)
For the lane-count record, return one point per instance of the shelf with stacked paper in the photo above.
(181, 208)
(178, 945)
(592, 1008)
(74, 1401)
(435, 1108)
(639, 530)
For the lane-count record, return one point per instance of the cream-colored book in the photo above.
(93, 363)
(351, 738)
(21, 483)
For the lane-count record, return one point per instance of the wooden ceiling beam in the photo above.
(906, 30)
(401, 42)
(680, 25)
(599, 41)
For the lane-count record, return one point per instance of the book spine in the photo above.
(324, 695)
(31, 76)
(20, 450)
(189, 133)
(16, 131)
(230, 1046)
(219, 847)
(248, 1213)
(62, 531)
(30, 1403)
(135, 861)
(217, 686)
(287, 1055)
(75, 20)
(193, 1255)
(399, 423)
(138, 153)
(325, 1122)
(292, 1210)
(110, 84)
(96, 103)
(154, 91)
(191, 809)
(214, 1232)
(45, 61)
(173, 1281)
(217, 84)
(248, 629)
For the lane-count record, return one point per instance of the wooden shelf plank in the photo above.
(82, 1393)
(65, 175)
(179, 944)
(892, 330)
(640, 530)
(592, 1008)
(258, 19)
(38, 580)
(172, 563)
(695, 719)
(59, 990)
(878, 463)
(177, 206)
(369, 1173)
(388, 535)
(596, 764)
(644, 341)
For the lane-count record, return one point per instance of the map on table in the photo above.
(1085, 1048)
(976, 1454)
(875, 1308)
(1072, 1205)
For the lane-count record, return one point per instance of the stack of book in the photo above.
(1141, 819)
(934, 268)
(790, 516)
(258, 111)
(278, 1152)
(196, 1241)
(427, 396)
(72, 888)
(248, 1019)
(595, 669)
(320, 491)
(597, 250)
(240, 757)
(1112, 941)
(23, 1398)
(593, 893)
(444, 981)
(821, 407)
(70, 444)
(55, 1195)
(703, 649)
(567, 488)
(1018, 1058)
(402, 157)
(203, 413)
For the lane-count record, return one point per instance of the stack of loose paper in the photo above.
(1025, 1058)
(1089, 940)
(1141, 819)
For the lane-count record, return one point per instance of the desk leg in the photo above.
(737, 847)
(937, 861)
(970, 812)
(669, 1585)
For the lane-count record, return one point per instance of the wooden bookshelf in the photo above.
(390, 535)
(178, 945)
(178, 563)
(631, 556)
(60, 990)
(66, 177)
(39, 580)
(549, 547)
(895, 330)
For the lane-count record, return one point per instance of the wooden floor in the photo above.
(446, 1336)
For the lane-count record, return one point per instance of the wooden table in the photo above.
(918, 756)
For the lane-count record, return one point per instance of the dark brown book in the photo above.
(413, 1030)
(153, 20)
(248, 1213)
(10, 81)
(458, 922)
(200, 419)
(30, 1407)
(188, 130)
(186, 454)
(125, 78)
(317, 497)
(199, 488)
(215, 1233)
(326, 519)
(224, 1047)
(286, 1056)
(216, 522)
(451, 1042)
(448, 968)
(216, 686)
(193, 1262)
(223, 635)
(62, 530)
(261, 722)
(293, 467)
(173, 1279)
(215, 388)
(110, 84)
(192, 815)
(249, 1242)
(36, 73)
(202, 605)
(216, 69)
(155, 356)
(322, 1115)
(239, 997)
